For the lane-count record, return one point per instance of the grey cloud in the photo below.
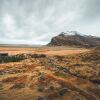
(39, 20)
(92, 8)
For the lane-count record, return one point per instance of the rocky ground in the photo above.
(44, 77)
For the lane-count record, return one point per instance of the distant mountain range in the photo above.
(74, 38)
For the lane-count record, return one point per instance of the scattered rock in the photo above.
(40, 98)
(18, 86)
(63, 91)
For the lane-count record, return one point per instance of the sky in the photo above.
(37, 21)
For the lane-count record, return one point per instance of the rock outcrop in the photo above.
(74, 38)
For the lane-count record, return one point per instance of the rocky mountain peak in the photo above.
(74, 38)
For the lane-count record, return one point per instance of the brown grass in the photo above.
(24, 84)
(47, 51)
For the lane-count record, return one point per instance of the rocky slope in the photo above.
(73, 38)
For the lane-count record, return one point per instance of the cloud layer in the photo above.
(36, 21)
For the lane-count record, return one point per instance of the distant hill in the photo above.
(73, 38)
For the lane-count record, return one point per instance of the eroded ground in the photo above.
(56, 77)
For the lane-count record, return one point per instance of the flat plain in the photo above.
(59, 50)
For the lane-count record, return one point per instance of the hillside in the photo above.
(73, 38)
(45, 77)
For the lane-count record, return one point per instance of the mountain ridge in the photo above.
(74, 38)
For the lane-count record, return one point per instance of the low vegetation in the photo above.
(44, 77)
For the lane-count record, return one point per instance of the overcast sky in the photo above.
(36, 21)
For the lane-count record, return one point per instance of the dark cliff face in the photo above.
(64, 39)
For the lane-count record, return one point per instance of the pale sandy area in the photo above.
(65, 52)
(48, 51)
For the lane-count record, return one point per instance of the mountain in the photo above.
(74, 38)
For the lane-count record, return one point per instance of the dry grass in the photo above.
(63, 75)
(43, 50)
